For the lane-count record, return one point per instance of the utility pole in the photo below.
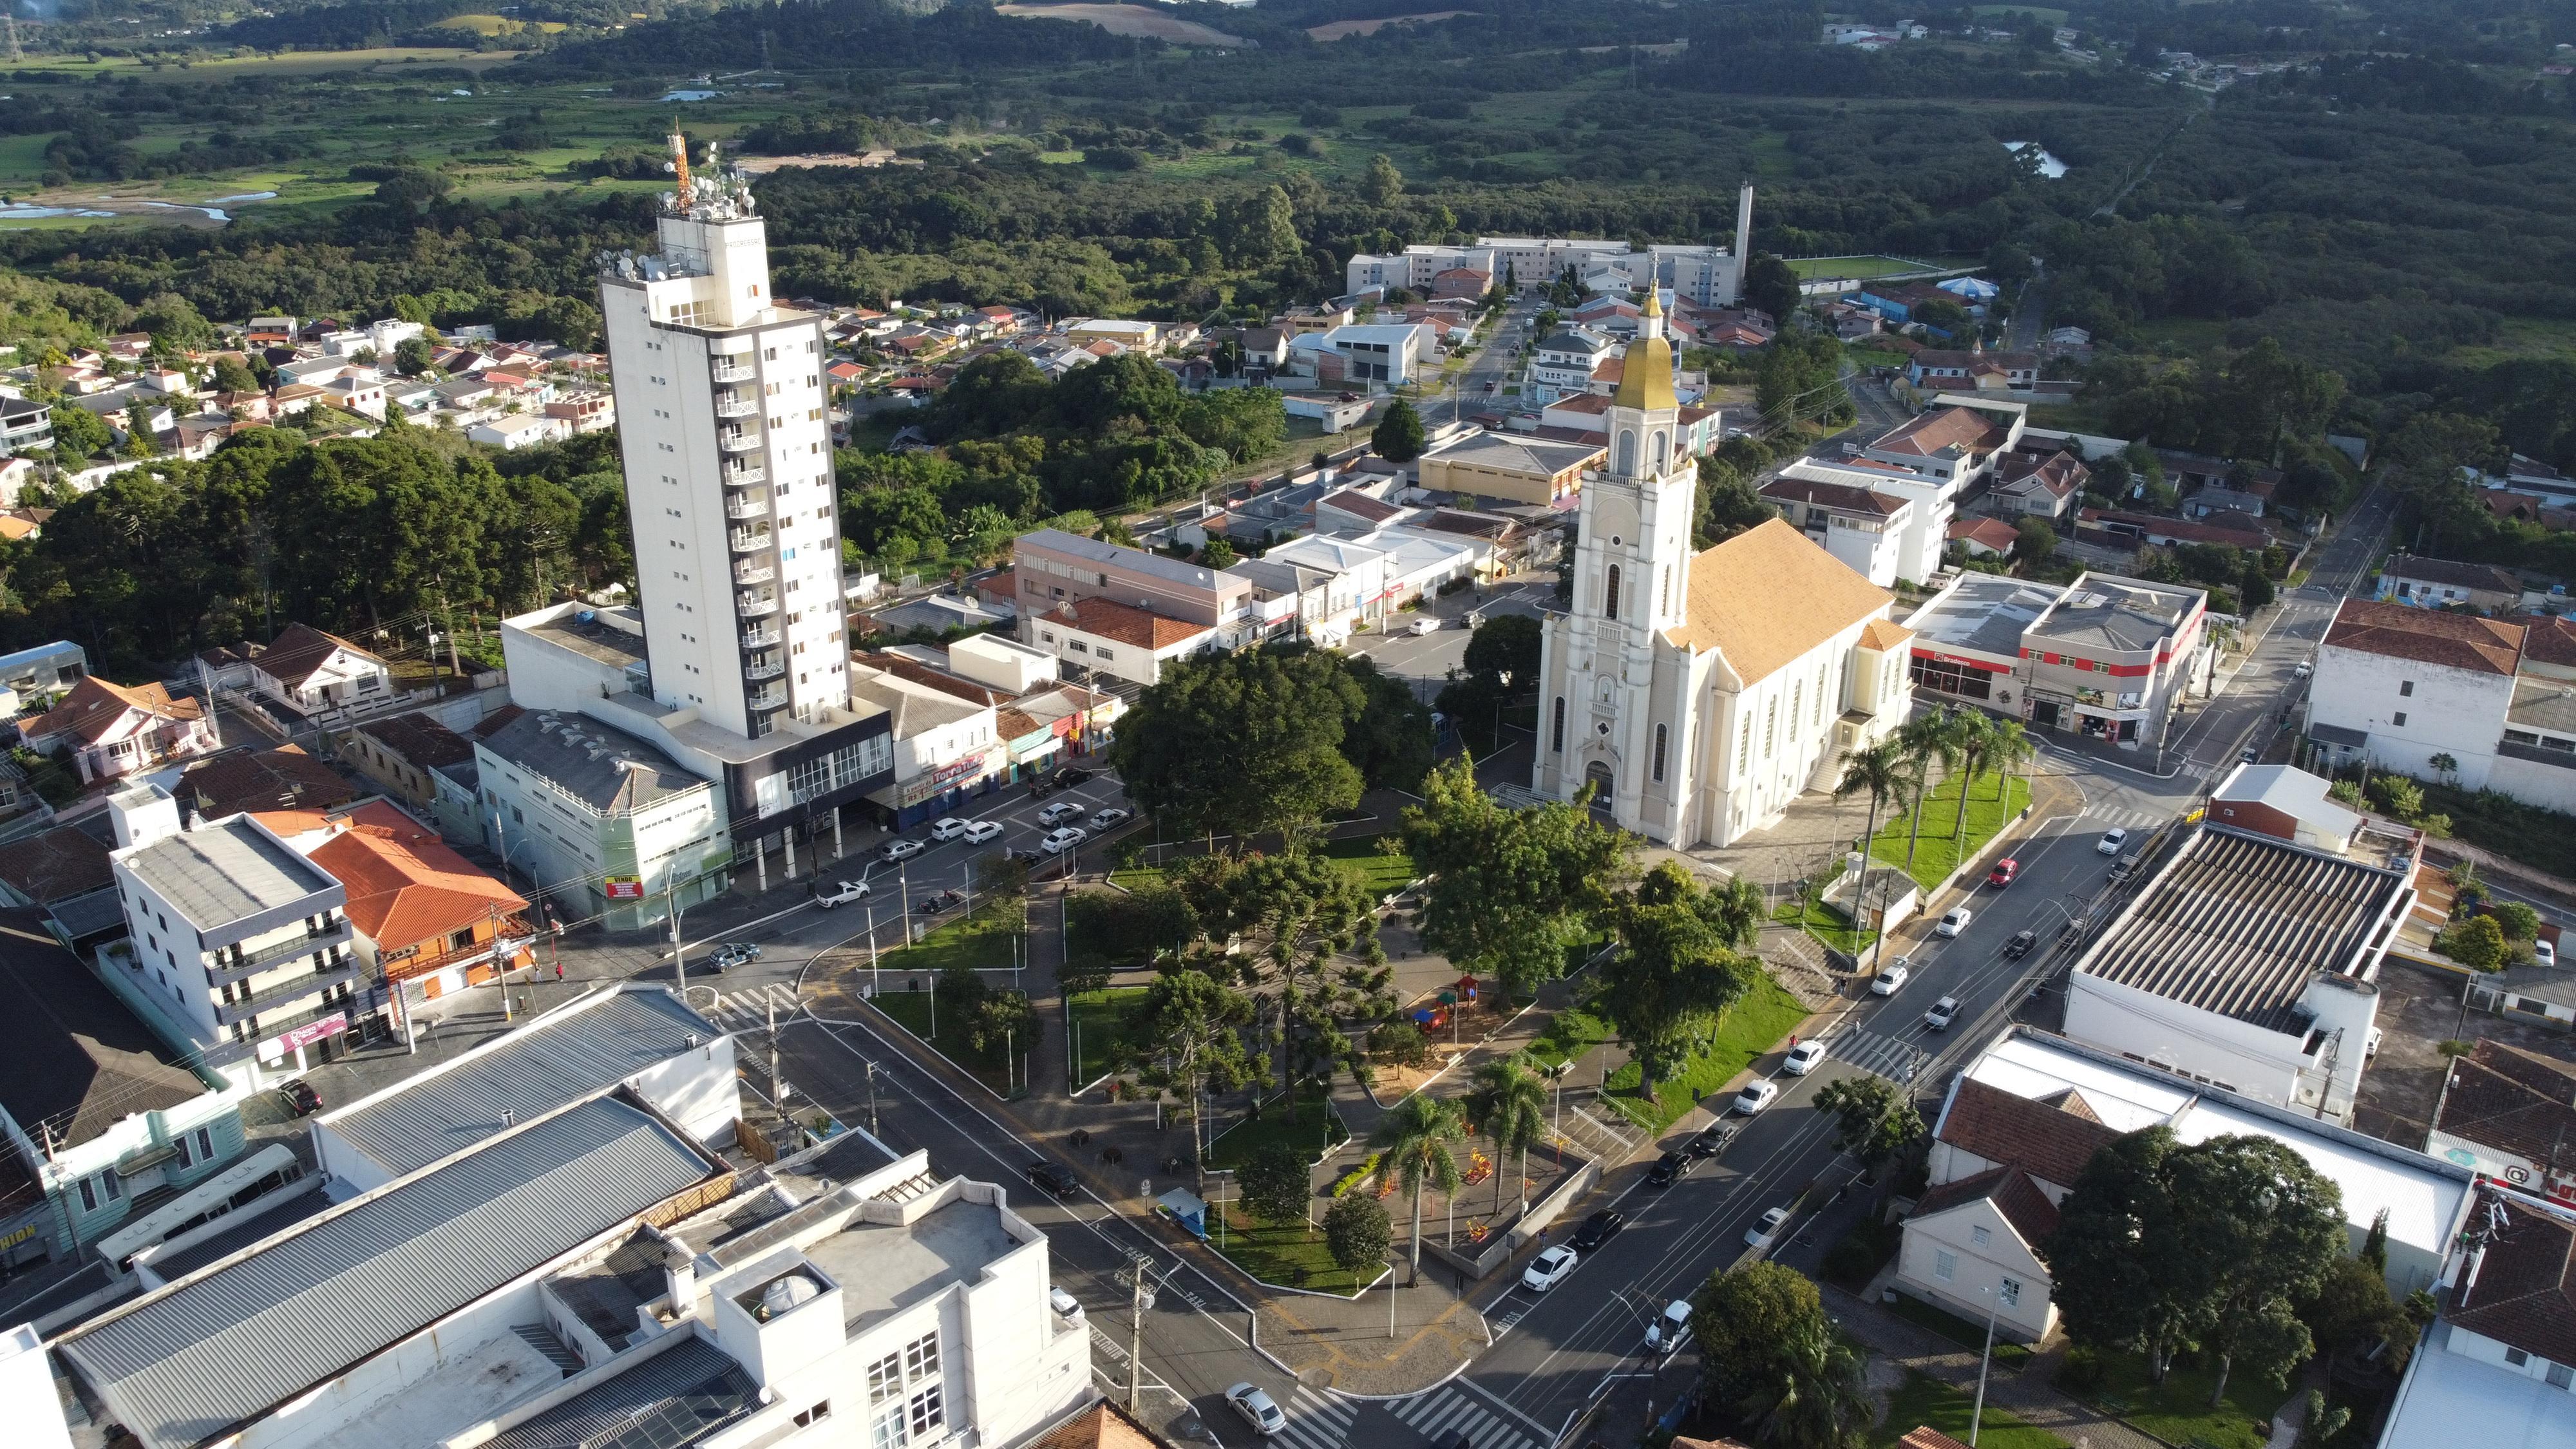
(872, 1099)
(1976, 1419)
(679, 962)
(1140, 1297)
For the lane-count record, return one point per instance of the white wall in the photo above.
(28, 1403)
(2246, 1059)
(1977, 1272)
(2448, 711)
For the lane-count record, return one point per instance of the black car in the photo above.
(1711, 1141)
(1052, 1180)
(732, 954)
(1453, 1439)
(1070, 776)
(1668, 1169)
(1025, 857)
(1597, 1230)
(301, 1099)
(2019, 946)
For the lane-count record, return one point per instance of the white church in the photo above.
(1701, 693)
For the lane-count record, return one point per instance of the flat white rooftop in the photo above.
(2449, 1400)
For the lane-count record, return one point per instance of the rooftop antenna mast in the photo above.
(680, 160)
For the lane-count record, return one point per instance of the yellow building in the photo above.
(1509, 467)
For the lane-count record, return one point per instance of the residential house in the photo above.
(1562, 364)
(63, 872)
(269, 332)
(2432, 583)
(401, 754)
(427, 921)
(1506, 466)
(1927, 529)
(2047, 488)
(1119, 640)
(2017, 1125)
(519, 430)
(25, 425)
(2249, 496)
(1949, 445)
(1861, 526)
(2119, 528)
(285, 778)
(2509, 1114)
(304, 673)
(1129, 336)
(237, 947)
(586, 412)
(2250, 963)
(606, 824)
(362, 393)
(106, 730)
(1975, 370)
(1984, 537)
(15, 475)
(2498, 1365)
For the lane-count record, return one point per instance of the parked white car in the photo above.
(1065, 1307)
(1257, 1408)
(1548, 1269)
(983, 830)
(1760, 1234)
(949, 828)
(842, 893)
(1756, 1096)
(1057, 842)
(1665, 1334)
(1425, 624)
(2111, 842)
(1954, 921)
(1108, 818)
(1941, 1013)
(1892, 977)
(1803, 1057)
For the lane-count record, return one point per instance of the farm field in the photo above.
(1144, 20)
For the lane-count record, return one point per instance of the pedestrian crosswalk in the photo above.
(1871, 1051)
(1455, 1405)
(749, 1009)
(2100, 818)
(1316, 1421)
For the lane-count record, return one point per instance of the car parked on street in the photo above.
(1941, 1013)
(1060, 812)
(1052, 1180)
(1760, 1234)
(1757, 1094)
(983, 830)
(1668, 1169)
(1664, 1336)
(2111, 842)
(2545, 952)
(2020, 945)
(1070, 776)
(2003, 873)
(1954, 920)
(1548, 1269)
(841, 893)
(1891, 978)
(1257, 1408)
(949, 828)
(938, 901)
(1803, 1057)
(2305, 668)
(1710, 1141)
(301, 1099)
(1424, 624)
(1057, 842)
(1109, 817)
(1065, 1307)
(1597, 1229)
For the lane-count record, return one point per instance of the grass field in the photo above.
(980, 941)
(2177, 1410)
(1098, 1019)
(947, 1036)
(1863, 268)
(1936, 854)
(1926, 1402)
(1825, 924)
(1307, 1133)
(1751, 1028)
(1289, 1255)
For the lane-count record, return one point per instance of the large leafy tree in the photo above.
(1186, 1041)
(1275, 1184)
(1872, 1118)
(2119, 1265)
(1673, 975)
(1507, 1103)
(1298, 917)
(1741, 1319)
(1357, 1233)
(1511, 892)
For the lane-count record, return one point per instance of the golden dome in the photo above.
(1646, 374)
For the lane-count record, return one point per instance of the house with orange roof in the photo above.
(427, 921)
(106, 730)
(1120, 640)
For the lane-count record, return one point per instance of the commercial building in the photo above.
(723, 428)
(608, 826)
(1699, 693)
(2398, 686)
(1508, 467)
(2250, 963)
(1052, 566)
(1968, 640)
(1107, 637)
(2111, 658)
(2018, 1124)
(1708, 276)
(238, 948)
(2498, 1365)
(946, 749)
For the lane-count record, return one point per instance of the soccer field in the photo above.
(1861, 268)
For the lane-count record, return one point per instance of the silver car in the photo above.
(1257, 1408)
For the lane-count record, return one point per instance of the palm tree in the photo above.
(2009, 745)
(1880, 770)
(1509, 1102)
(1973, 738)
(1924, 742)
(1812, 1396)
(1414, 1147)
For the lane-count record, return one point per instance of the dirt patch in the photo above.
(1141, 20)
(1340, 28)
(763, 165)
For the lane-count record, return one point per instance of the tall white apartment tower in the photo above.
(721, 417)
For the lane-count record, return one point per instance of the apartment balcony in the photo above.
(755, 606)
(737, 406)
(753, 573)
(773, 697)
(252, 963)
(761, 638)
(228, 1012)
(738, 441)
(745, 540)
(758, 672)
(725, 372)
(514, 937)
(747, 508)
(743, 475)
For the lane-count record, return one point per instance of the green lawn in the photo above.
(1862, 268)
(1826, 924)
(1937, 854)
(912, 1010)
(1384, 874)
(1753, 1027)
(2178, 1411)
(1864, 356)
(1236, 1144)
(1954, 1328)
(979, 940)
(1927, 1402)
(1098, 1019)
(1289, 1256)
(1570, 1034)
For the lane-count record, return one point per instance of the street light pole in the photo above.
(1977, 1419)
(1140, 1298)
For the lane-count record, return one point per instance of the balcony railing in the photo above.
(738, 442)
(747, 508)
(746, 539)
(730, 371)
(759, 638)
(228, 1012)
(758, 672)
(737, 407)
(754, 573)
(742, 475)
(253, 962)
(514, 937)
(772, 698)
(755, 606)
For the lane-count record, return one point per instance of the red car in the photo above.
(2003, 873)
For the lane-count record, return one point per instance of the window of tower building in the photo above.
(1659, 754)
(843, 767)
(1610, 596)
(1627, 459)
(1556, 730)
(1964, 681)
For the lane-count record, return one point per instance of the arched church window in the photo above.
(1624, 460)
(1660, 444)
(1659, 754)
(1610, 596)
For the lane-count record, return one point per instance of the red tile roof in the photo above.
(2012, 1192)
(2053, 1140)
(1844, 497)
(406, 888)
(284, 778)
(1934, 433)
(1994, 533)
(1125, 624)
(2548, 639)
(2427, 636)
(2525, 1293)
(93, 707)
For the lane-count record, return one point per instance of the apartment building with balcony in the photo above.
(239, 949)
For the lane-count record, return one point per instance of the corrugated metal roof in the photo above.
(213, 1351)
(674, 1398)
(527, 1073)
